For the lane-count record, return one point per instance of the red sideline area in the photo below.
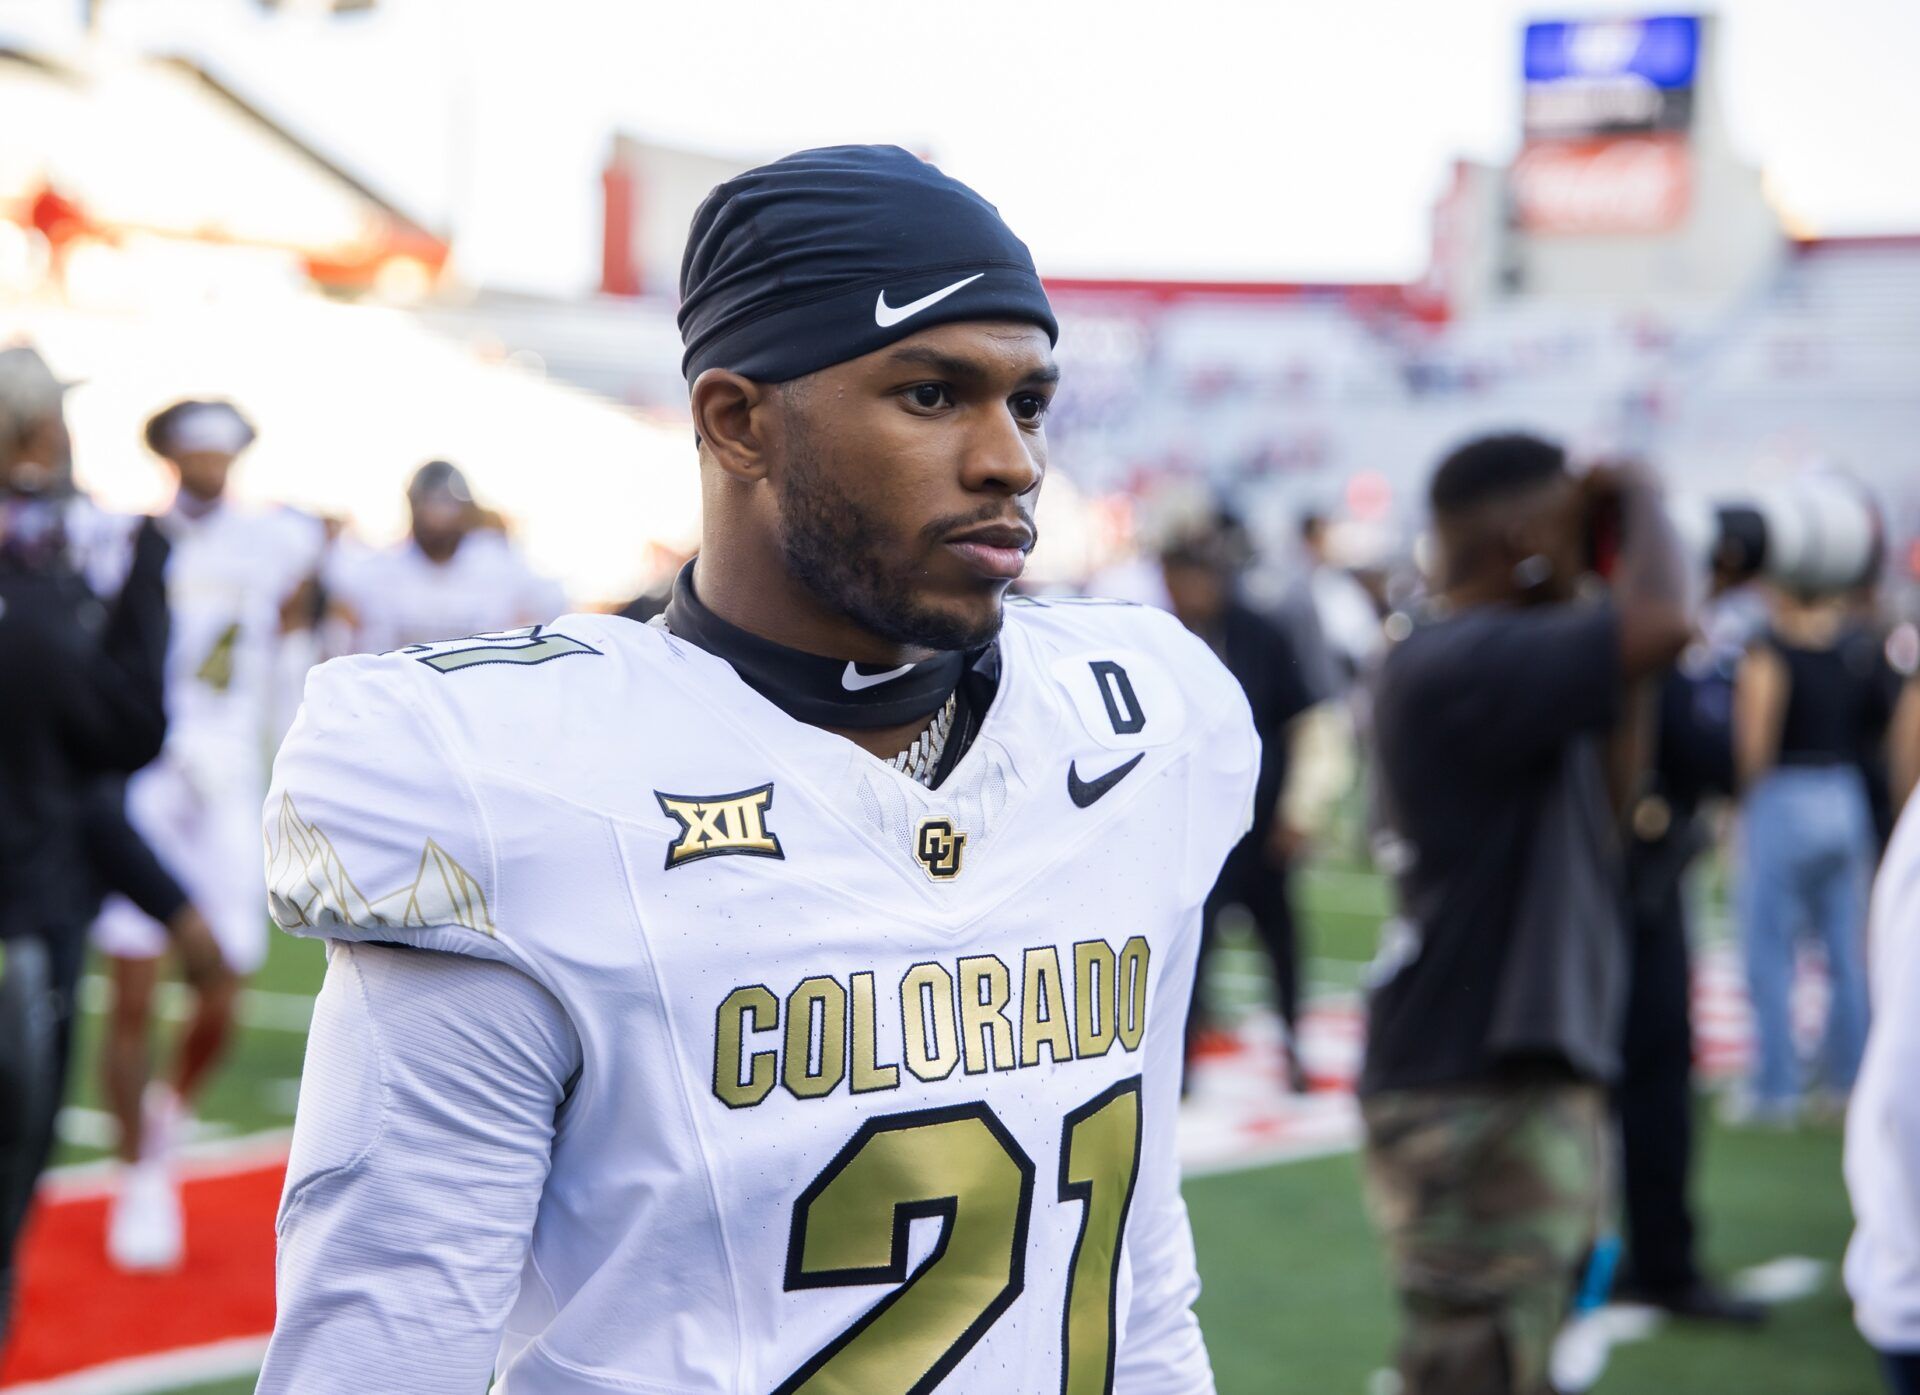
(76, 1311)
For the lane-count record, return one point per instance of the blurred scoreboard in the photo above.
(1608, 110)
(1588, 78)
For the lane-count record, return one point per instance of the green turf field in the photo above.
(1295, 1298)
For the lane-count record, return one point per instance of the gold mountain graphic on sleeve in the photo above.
(308, 886)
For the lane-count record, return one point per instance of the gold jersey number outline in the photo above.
(216, 669)
(528, 645)
(959, 1163)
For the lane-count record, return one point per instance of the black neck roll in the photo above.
(812, 688)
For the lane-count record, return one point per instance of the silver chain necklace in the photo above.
(922, 758)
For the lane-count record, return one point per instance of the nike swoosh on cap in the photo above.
(853, 680)
(887, 316)
(1084, 792)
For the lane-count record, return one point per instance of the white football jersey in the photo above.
(877, 1085)
(227, 575)
(400, 595)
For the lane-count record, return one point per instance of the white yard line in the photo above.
(139, 1375)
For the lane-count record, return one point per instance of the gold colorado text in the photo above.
(980, 1015)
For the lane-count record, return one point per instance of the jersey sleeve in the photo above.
(421, 1147)
(372, 830)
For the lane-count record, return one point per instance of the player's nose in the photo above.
(1001, 456)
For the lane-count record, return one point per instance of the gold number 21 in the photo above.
(959, 1164)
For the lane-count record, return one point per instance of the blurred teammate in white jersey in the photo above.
(451, 577)
(230, 578)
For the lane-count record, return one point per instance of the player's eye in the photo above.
(1029, 408)
(929, 397)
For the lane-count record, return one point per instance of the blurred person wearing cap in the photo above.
(1507, 744)
(230, 571)
(455, 574)
(677, 969)
(80, 696)
(1201, 567)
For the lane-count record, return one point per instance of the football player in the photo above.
(229, 571)
(451, 576)
(787, 996)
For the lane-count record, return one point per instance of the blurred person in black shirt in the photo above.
(1493, 1025)
(80, 695)
(1200, 566)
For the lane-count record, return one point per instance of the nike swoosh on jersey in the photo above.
(1084, 793)
(886, 315)
(853, 680)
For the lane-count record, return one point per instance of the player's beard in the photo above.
(835, 548)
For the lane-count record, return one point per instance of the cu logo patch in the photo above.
(713, 824)
(937, 847)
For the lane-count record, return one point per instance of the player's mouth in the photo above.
(997, 551)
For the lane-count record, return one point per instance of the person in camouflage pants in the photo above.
(1489, 1198)
(1506, 738)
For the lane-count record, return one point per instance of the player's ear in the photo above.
(731, 415)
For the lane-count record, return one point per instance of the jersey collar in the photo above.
(812, 688)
